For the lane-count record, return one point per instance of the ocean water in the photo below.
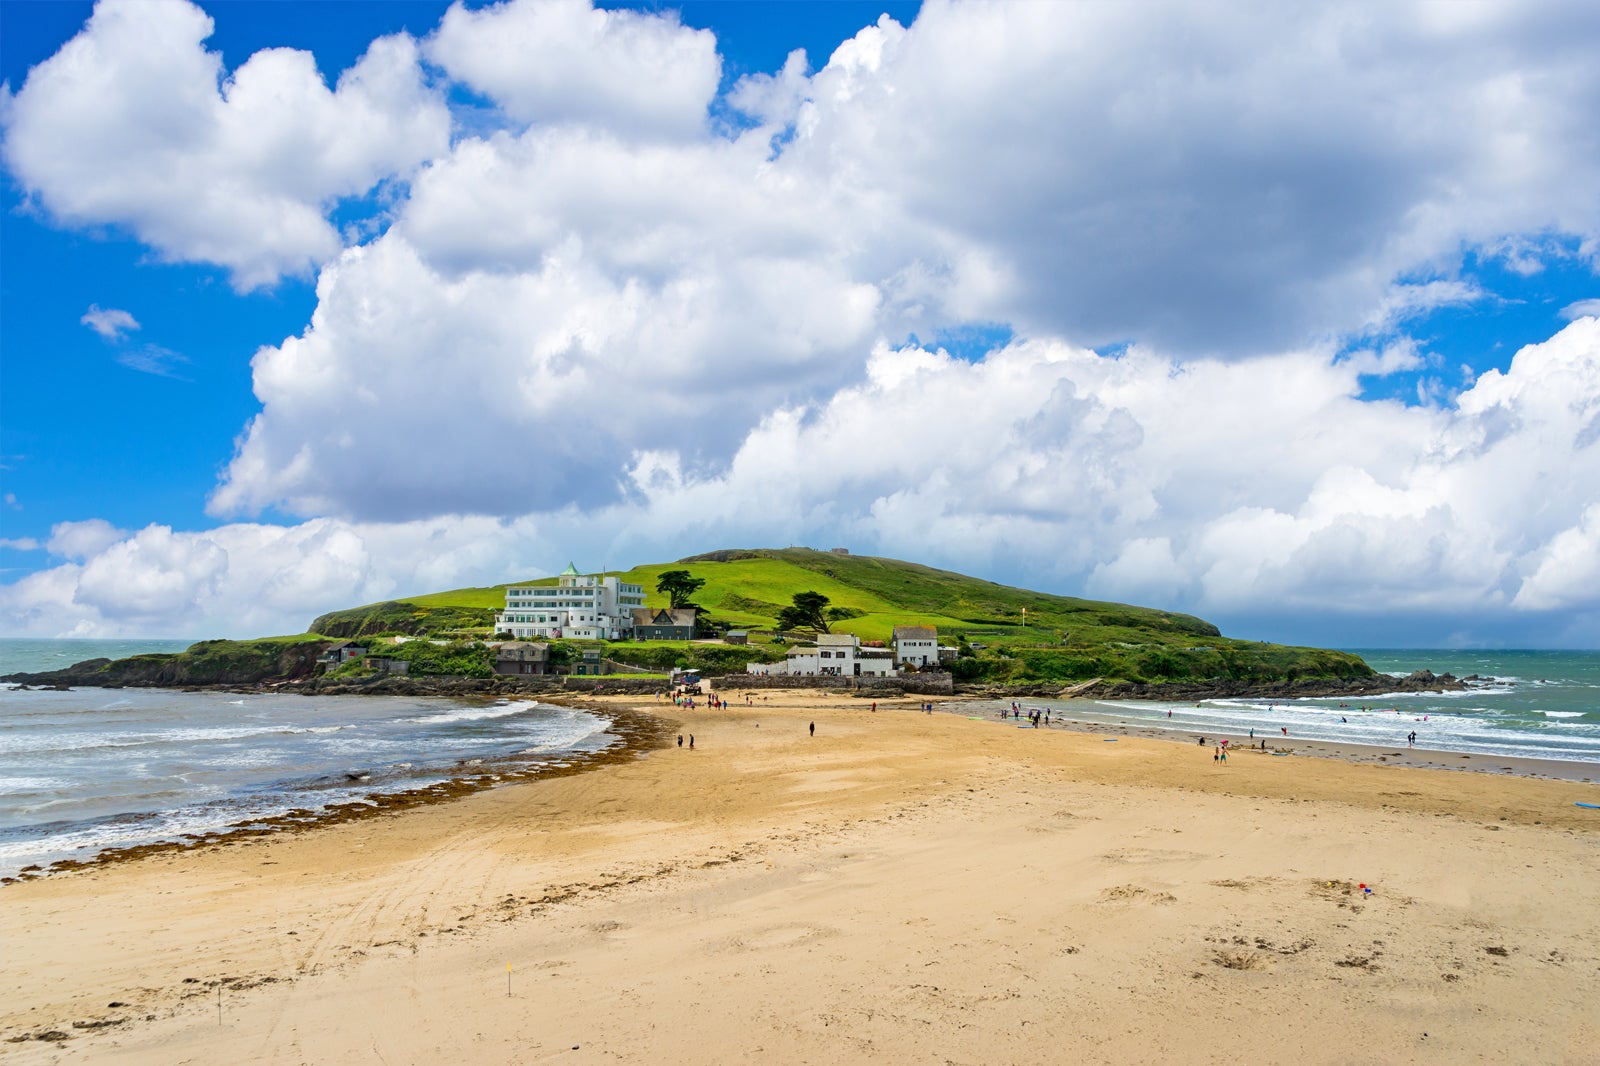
(1539, 705)
(31, 655)
(91, 769)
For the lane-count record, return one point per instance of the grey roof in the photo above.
(652, 616)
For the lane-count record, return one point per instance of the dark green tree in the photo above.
(679, 586)
(809, 612)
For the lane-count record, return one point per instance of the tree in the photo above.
(679, 587)
(808, 612)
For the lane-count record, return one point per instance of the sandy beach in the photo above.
(899, 887)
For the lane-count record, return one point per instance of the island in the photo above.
(776, 615)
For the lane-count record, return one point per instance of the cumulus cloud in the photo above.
(133, 123)
(615, 312)
(110, 322)
(1568, 568)
(243, 579)
(1214, 178)
(1232, 490)
(1072, 171)
(1581, 309)
(559, 61)
(81, 540)
(614, 324)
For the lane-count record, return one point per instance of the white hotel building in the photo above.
(578, 606)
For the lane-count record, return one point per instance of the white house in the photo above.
(916, 646)
(834, 655)
(579, 606)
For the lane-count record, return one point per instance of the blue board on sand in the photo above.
(1591, 806)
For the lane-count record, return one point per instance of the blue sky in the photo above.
(1216, 312)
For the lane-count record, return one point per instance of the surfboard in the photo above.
(1591, 806)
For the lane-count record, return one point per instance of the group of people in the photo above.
(1016, 712)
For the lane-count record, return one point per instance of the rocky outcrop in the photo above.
(210, 663)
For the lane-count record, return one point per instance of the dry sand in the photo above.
(901, 887)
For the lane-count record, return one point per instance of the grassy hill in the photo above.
(1006, 634)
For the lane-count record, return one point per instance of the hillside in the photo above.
(1006, 634)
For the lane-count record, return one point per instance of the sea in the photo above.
(88, 770)
(1528, 704)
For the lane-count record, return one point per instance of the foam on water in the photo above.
(1539, 705)
(80, 773)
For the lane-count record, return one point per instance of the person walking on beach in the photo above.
(691, 741)
(680, 740)
(1224, 755)
(1285, 730)
(1216, 754)
(813, 729)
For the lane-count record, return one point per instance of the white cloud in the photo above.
(1568, 570)
(547, 305)
(109, 322)
(605, 323)
(1581, 309)
(81, 540)
(557, 61)
(1209, 178)
(1075, 171)
(1228, 489)
(133, 123)
(247, 579)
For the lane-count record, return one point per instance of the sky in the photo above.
(1285, 317)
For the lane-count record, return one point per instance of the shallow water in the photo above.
(89, 769)
(1540, 705)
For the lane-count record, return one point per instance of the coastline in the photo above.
(895, 884)
(1348, 751)
(636, 734)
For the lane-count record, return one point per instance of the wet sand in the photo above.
(899, 887)
(1280, 745)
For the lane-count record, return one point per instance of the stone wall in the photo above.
(929, 684)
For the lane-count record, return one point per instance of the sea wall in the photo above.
(932, 684)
